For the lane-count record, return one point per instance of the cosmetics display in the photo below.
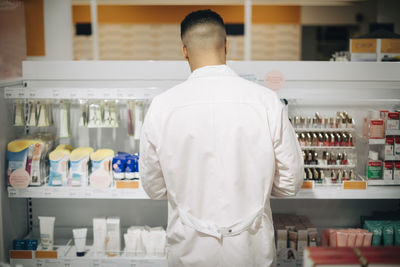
(346, 256)
(293, 234)
(328, 146)
(39, 114)
(381, 129)
(342, 120)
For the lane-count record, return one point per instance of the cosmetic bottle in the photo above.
(338, 139)
(314, 139)
(320, 139)
(332, 139)
(339, 159)
(344, 159)
(326, 139)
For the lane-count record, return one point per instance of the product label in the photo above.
(376, 122)
(376, 129)
(374, 170)
(393, 115)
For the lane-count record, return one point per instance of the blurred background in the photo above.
(149, 29)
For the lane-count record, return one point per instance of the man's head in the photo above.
(203, 36)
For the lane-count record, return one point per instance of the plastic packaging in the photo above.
(46, 225)
(99, 235)
(79, 169)
(64, 130)
(80, 241)
(59, 159)
(113, 239)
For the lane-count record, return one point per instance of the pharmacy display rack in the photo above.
(308, 87)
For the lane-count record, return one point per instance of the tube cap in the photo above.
(80, 254)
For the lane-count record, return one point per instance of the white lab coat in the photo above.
(217, 146)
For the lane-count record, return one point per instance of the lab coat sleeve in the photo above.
(289, 164)
(149, 165)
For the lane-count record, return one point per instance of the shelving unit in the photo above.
(329, 87)
(318, 192)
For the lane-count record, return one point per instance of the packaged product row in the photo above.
(30, 163)
(295, 235)
(92, 114)
(341, 121)
(140, 241)
(362, 256)
(328, 176)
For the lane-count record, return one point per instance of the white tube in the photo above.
(80, 241)
(46, 225)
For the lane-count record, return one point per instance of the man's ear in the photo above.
(185, 52)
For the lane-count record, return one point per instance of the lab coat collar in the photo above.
(212, 70)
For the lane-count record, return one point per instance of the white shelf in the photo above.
(349, 166)
(337, 192)
(376, 141)
(383, 182)
(319, 192)
(393, 132)
(76, 193)
(81, 93)
(323, 130)
(329, 147)
(66, 256)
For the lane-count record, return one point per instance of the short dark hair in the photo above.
(200, 17)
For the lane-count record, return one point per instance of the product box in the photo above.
(389, 148)
(397, 148)
(374, 169)
(396, 171)
(388, 170)
(372, 49)
(392, 121)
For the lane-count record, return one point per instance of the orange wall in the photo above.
(34, 27)
(175, 14)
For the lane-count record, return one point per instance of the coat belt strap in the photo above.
(210, 228)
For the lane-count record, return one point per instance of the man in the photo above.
(217, 146)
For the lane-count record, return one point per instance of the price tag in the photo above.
(121, 93)
(107, 94)
(8, 93)
(133, 263)
(67, 262)
(96, 263)
(72, 192)
(90, 93)
(48, 192)
(88, 192)
(56, 93)
(307, 185)
(32, 93)
(73, 95)
(361, 185)
(39, 262)
(21, 93)
(131, 95)
(12, 192)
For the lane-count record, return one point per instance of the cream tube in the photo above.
(46, 225)
(80, 241)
